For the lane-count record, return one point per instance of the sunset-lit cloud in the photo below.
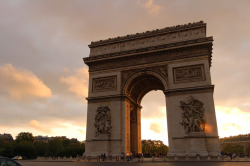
(77, 82)
(154, 119)
(156, 127)
(150, 5)
(232, 121)
(22, 84)
(44, 80)
(71, 130)
(38, 126)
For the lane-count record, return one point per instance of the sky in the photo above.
(44, 81)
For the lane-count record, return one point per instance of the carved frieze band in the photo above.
(104, 83)
(147, 41)
(146, 58)
(189, 74)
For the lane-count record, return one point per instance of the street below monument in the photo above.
(182, 163)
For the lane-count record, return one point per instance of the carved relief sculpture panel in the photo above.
(103, 121)
(189, 74)
(192, 115)
(104, 84)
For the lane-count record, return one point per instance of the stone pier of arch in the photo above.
(122, 70)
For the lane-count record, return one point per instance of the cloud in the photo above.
(77, 82)
(38, 126)
(150, 5)
(21, 84)
(45, 37)
(156, 127)
(153, 105)
(70, 130)
(232, 121)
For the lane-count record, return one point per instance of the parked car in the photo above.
(4, 161)
(17, 158)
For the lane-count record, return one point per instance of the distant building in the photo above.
(46, 139)
(61, 137)
(6, 137)
(241, 137)
(243, 140)
(40, 138)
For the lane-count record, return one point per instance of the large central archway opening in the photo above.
(154, 118)
(135, 90)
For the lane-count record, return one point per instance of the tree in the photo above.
(7, 148)
(149, 148)
(163, 149)
(25, 149)
(41, 148)
(248, 149)
(24, 136)
(66, 142)
(233, 148)
(55, 147)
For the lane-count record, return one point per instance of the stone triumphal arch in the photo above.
(175, 60)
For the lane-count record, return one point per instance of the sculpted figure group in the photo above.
(193, 115)
(103, 121)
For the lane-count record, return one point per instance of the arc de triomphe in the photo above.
(175, 60)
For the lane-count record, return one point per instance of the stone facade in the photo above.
(122, 70)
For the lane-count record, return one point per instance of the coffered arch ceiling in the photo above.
(141, 85)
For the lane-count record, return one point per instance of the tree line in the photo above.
(25, 145)
(241, 137)
(149, 149)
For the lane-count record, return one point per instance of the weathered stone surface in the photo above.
(122, 70)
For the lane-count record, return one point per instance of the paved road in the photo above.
(59, 163)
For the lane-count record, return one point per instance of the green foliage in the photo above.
(7, 148)
(150, 148)
(55, 146)
(233, 148)
(248, 148)
(66, 143)
(25, 149)
(24, 137)
(41, 148)
(25, 146)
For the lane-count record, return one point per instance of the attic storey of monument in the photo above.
(175, 60)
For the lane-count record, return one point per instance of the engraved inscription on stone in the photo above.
(104, 83)
(103, 121)
(192, 115)
(189, 74)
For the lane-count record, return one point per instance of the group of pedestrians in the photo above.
(231, 155)
(121, 157)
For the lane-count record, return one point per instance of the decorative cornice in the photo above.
(112, 97)
(149, 49)
(148, 33)
(155, 56)
(181, 91)
(105, 97)
(148, 39)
